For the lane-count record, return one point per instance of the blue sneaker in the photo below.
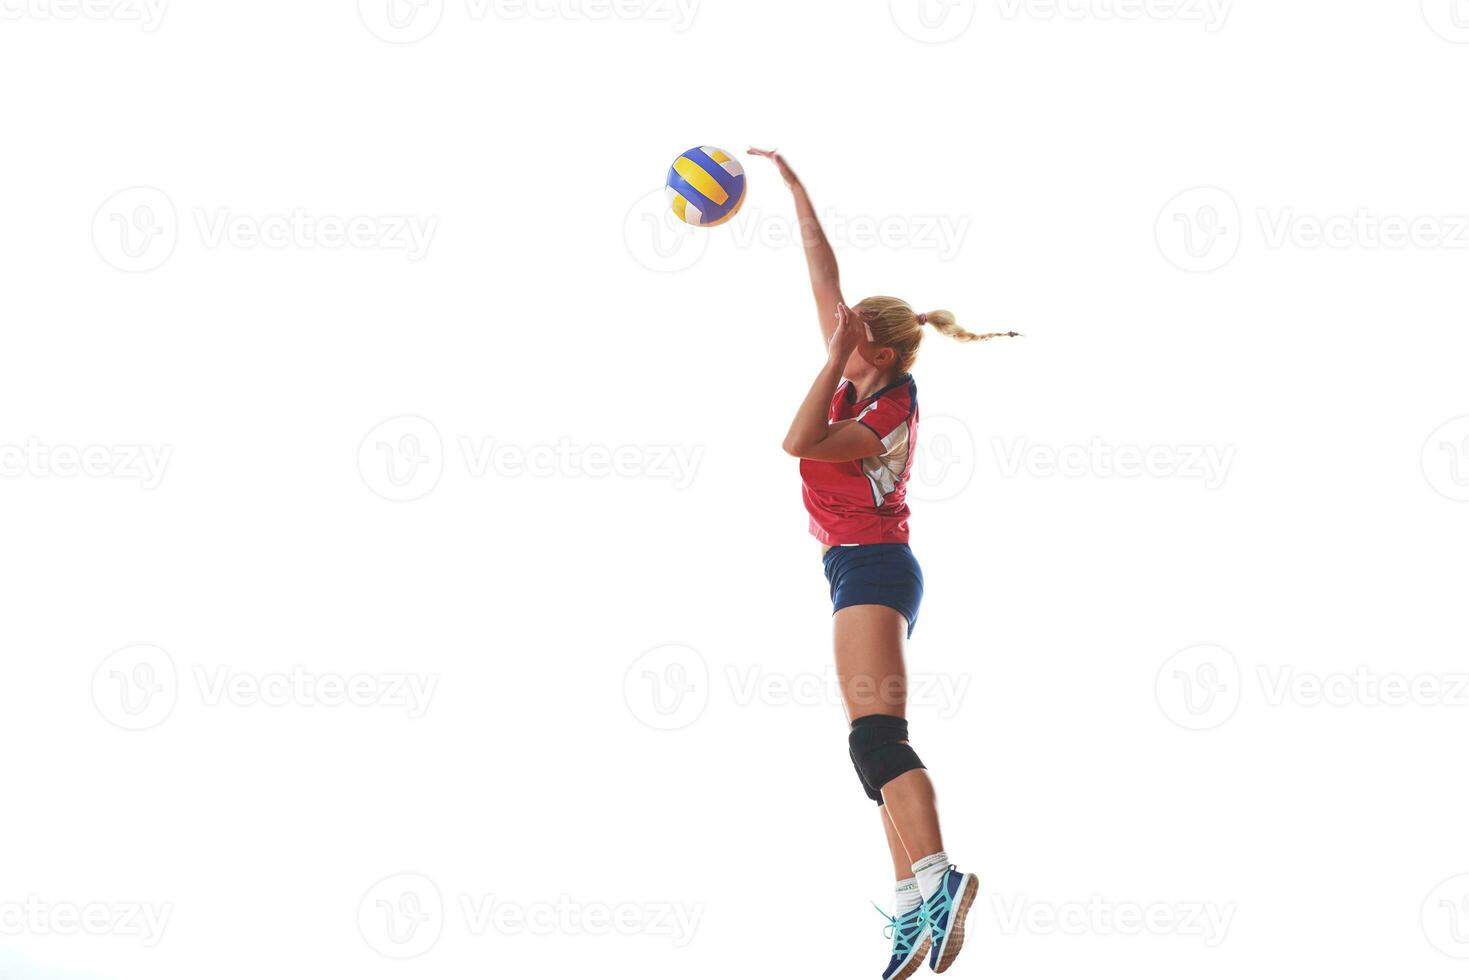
(910, 943)
(944, 912)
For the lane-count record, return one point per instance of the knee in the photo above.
(880, 751)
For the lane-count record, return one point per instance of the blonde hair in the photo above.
(894, 324)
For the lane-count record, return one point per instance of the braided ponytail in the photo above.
(943, 322)
(893, 323)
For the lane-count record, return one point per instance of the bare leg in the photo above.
(910, 805)
(902, 863)
(869, 655)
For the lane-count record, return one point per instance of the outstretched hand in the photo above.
(786, 173)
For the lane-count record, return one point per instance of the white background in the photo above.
(1115, 737)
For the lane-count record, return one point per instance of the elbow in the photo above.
(793, 446)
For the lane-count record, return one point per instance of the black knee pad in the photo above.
(872, 794)
(878, 744)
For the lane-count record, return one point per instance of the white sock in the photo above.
(909, 898)
(930, 872)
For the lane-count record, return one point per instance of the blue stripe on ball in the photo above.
(727, 180)
(708, 210)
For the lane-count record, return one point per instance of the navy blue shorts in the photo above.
(875, 575)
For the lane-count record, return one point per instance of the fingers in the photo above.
(845, 316)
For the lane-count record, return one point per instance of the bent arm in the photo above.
(844, 441)
(812, 437)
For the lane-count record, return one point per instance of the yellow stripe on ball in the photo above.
(699, 180)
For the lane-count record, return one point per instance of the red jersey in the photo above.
(864, 501)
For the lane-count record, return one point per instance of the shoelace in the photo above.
(902, 944)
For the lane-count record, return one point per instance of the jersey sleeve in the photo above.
(889, 413)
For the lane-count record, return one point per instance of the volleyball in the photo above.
(706, 186)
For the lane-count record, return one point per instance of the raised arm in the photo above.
(821, 261)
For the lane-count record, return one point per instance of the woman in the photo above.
(854, 435)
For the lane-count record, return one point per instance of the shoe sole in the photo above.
(920, 956)
(954, 941)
